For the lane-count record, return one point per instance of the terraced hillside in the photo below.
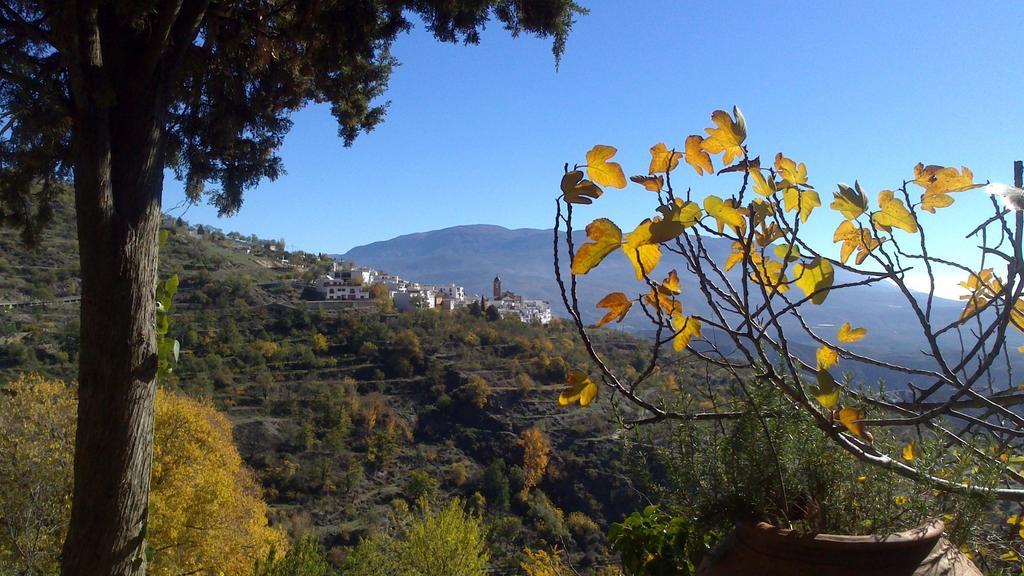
(346, 415)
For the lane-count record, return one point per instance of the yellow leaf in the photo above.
(578, 387)
(662, 159)
(664, 300)
(848, 334)
(728, 136)
(641, 249)
(938, 182)
(851, 202)
(982, 287)
(663, 295)
(825, 391)
(697, 157)
(725, 213)
(827, 357)
(893, 214)
(815, 278)
(672, 282)
(737, 255)
(931, 202)
(766, 236)
(769, 274)
(910, 451)
(674, 218)
(651, 183)
(577, 190)
(686, 328)
(803, 200)
(618, 306)
(762, 186)
(854, 238)
(606, 238)
(791, 172)
(850, 419)
(603, 172)
(787, 252)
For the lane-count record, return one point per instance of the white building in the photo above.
(410, 299)
(510, 304)
(454, 293)
(535, 311)
(331, 288)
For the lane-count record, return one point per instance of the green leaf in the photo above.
(826, 392)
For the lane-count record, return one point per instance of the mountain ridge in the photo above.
(472, 255)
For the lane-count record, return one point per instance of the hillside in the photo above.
(473, 255)
(343, 415)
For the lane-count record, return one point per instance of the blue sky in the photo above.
(478, 134)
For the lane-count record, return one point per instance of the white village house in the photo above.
(510, 304)
(346, 282)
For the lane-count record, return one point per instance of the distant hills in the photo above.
(472, 255)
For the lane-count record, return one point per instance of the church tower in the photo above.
(497, 288)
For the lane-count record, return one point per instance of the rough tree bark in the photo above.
(118, 177)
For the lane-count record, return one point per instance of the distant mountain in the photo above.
(472, 256)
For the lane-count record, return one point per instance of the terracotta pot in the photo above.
(766, 550)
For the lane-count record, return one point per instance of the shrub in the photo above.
(495, 486)
(544, 563)
(445, 541)
(525, 384)
(475, 392)
(421, 485)
(458, 473)
(305, 558)
(548, 519)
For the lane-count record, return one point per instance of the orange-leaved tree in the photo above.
(536, 454)
(769, 300)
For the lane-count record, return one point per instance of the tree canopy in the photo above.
(225, 75)
(206, 512)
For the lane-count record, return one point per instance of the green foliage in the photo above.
(783, 470)
(168, 349)
(652, 543)
(475, 392)
(494, 485)
(305, 558)
(548, 519)
(445, 540)
(306, 426)
(421, 485)
(458, 473)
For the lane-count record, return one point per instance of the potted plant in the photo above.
(773, 302)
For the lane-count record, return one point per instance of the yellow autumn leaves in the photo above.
(761, 222)
(827, 392)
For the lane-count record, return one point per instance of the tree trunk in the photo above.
(118, 183)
